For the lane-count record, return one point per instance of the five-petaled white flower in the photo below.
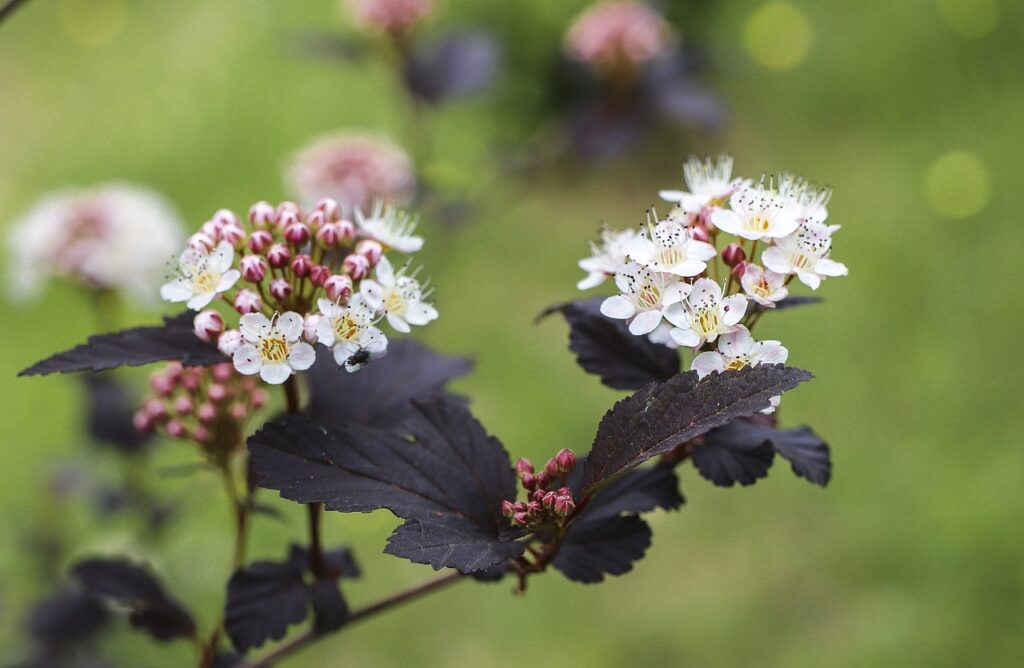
(806, 254)
(202, 275)
(608, 257)
(704, 315)
(759, 212)
(401, 296)
(738, 349)
(644, 297)
(764, 287)
(710, 184)
(350, 332)
(391, 227)
(272, 348)
(669, 247)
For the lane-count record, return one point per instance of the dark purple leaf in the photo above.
(806, 452)
(341, 563)
(329, 607)
(638, 491)
(610, 546)
(227, 660)
(67, 618)
(264, 598)
(128, 585)
(380, 395)
(446, 477)
(660, 417)
(605, 347)
(735, 453)
(174, 340)
(111, 412)
(457, 65)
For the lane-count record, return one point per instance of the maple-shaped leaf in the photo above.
(380, 395)
(264, 599)
(735, 453)
(132, 587)
(605, 347)
(660, 417)
(442, 473)
(174, 340)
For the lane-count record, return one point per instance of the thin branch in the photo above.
(304, 639)
(9, 8)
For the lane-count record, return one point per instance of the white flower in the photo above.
(813, 201)
(806, 254)
(391, 227)
(114, 237)
(737, 350)
(608, 257)
(272, 348)
(400, 295)
(202, 275)
(644, 297)
(668, 247)
(710, 184)
(350, 332)
(759, 213)
(662, 335)
(764, 287)
(704, 315)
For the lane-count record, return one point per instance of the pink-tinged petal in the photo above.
(672, 195)
(253, 325)
(301, 356)
(685, 337)
(737, 343)
(591, 281)
(227, 279)
(398, 324)
(775, 259)
(247, 359)
(704, 289)
(222, 256)
(290, 324)
(201, 301)
(770, 352)
(617, 307)
(677, 315)
(701, 250)
(810, 279)
(372, 292)
(645, 322)
(830, 267)
(707, 362)
(176, 291)
(275, 374)
(734, 307)
(688, 268)
(727, 221)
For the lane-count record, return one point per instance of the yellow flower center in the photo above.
(346, 328)
(395, 303)
(274, 348)
(758, 224)
(762, 288)
(800, 261)
(205, 281)
(707, 322)
(669, 256)
(649, 297)
(735, 365)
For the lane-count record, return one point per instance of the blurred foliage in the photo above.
(911, 111)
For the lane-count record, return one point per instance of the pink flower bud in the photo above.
(174, 370)
(533, 508)
(329, 235)
(163, 384)
(740, 269)
(260, 241)
(142, 421)
(254, 268)
(552, 469)
(201, 434)
(564, 491)
(346, 232)
(297, 234)
(207, 325)
(217, 392)
(564, 505)
(549, 500)
(280, 288)
(222, 372)
(318, 274)
(176, 429)
(529, 481)
(258, 398)
(519, 507)
(356, 266)
(566, 460)
(330, 208)
(206, 412)
(506, 508)
(234, 235)
(201, 242)
(302, 265)
(309, 325)
(262, 215)
(543, 480)
(520, 519)
(538, 495)
(224, 218)
(183, 405)
(733, 254)
(279, 256)
(229, 342)
(523, 465)
(316, 220)
(211, 230)
(247, 301)
(155, 409)
(238, 411)
(371, 250)
(699, 233)
(287, 217)
(190, 379)
(338, 287)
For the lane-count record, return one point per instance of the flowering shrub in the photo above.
(361, 442)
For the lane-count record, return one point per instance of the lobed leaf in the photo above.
(734, 453)
(264, 599)
(660, 417)
(174, 340)
(807, 453)
(593, 549)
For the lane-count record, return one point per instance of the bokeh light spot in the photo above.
(958, 185)
(92, 23)
(778, 36)
(970, 18)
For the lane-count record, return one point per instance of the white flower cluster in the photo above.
(112, 237)
(309, 278)
(682, 283)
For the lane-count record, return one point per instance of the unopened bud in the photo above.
(520, 519)
(529, 481)
(371, 250)
(254, 268)
(309, 325)
(330, 208)
(552, 468)
(258, 398)
(206, 412)
(142, 421)
(316, 220)
(201, 434)
(524, 465)
(176, 429)
(733, 254)
(279, 256)
(183, 405)
(356, 266)
(210, 229)
(699, 233)
(506, 508)
(302, 265)
(163, 384)
(548, 501)
(566, 459)
(287, 217)
(225, 217)
(229, 342)
(346, 232)
(533, 508)
(564, 491)
(543, 480)
(260, 241)
(234, 235)
(318, 274)
(190, 379)
(564, 505)
(238, 411)
(338, 287)
(262, 215)
(217, 392)
(740, 269)
(155, 409)
(280, 288)
(247, 301)
(329, 235)
(537, 495)
(297, 234)
(222, 372)
(519, 507)
(201, 242)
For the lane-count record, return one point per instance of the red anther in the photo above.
(733, 254)
(260, 241)
(302, 265)
(254, 268)
(262, 215)
(279, 256)
(247, 301)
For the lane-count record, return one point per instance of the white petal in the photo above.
(253, 325)
(325, 331)
(700, 250)
(829, 267)
(737, 343)
(398, 324)
(775, 259)
(618, 307)
(645, 322)
(783, 226)
(374, 341)
(734, 307)
(222, 256)
(301, 356)
(372, 292)
(770, 352)
(290, 324)
(275, 374)
(685, 337)
(727, 221)
(227, 279)
(672, 195)
(674, 293)
(591, 281)
(177, 290)
(688, 268)
(247, 359)
(640, 249)
(707, 362)
(385, 273)
(677, 315)
(420, 314)
(704, 289)
(406, 244)
(201, 301)
(810, 279)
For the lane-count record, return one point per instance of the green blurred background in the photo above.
(911, 110)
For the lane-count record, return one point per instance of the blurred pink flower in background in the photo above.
(112, 237)
(354, 169)
(394, 17)
(617, 35)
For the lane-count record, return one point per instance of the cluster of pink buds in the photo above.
(546, 504)
(395, 18)
(617, 36)
(209, 405)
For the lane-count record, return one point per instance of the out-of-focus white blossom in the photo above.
(394, 17)
(608, 256)
(392, 228)
(710, 184)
